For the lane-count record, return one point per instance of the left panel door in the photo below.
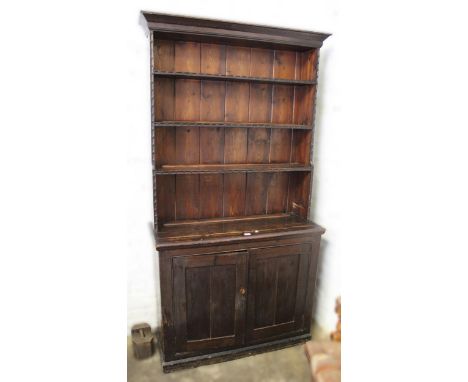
(209, 301)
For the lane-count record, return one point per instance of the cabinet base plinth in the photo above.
(232, 354)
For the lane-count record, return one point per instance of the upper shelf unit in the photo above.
(191, 60)
(220, 77)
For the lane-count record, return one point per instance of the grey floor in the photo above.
(281, 365)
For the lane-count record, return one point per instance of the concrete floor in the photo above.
(284, 365)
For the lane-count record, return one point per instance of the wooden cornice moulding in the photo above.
(172, 26)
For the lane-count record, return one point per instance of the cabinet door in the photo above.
(209, 301)
(278, 286)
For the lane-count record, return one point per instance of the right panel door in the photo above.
(281, 281)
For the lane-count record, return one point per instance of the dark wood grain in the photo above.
(234, 194)
(260, 103)
(212, 109)
(238, 61)
(164, 55)
(276, 300)
(187, 57)
(278, 192)
(284, 66)
(223, 300)
(237, 102)
(209, 307)
(261, 62)
(286, 289)
(187, 197)
(187, 100)
(166, 198)
(165, 146)
(211, 195)
(213, 59)
(197, 286)
(265, 293)
(212, 101)
(187, 145)
(237, 110)
(258, 145)
(256, 193)
(164, 99)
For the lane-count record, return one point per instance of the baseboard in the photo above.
(233, 354)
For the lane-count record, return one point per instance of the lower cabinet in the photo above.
(238, 299)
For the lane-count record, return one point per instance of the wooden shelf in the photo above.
(219, 77)
(230, 168)
(242, 227)
(230, 124)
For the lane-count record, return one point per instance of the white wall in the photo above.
(391, 184)
(143, 278)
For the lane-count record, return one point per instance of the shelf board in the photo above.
(230, 124)
(230, 168)
(220, 77)
(242, 227)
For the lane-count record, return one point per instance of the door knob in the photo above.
(242, 291)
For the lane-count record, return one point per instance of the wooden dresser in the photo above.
(232, 135)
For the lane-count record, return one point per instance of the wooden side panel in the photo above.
(211, 195)
(256, 193)
(234, 194)
(197, 286)
(165, 146)
(187, 197)
(164, 55)
(301, 146)
(165, 198)
(223, 299)
(278, 193)
(164, 99)
(299, 191)
(303, 104)
(308, 61)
